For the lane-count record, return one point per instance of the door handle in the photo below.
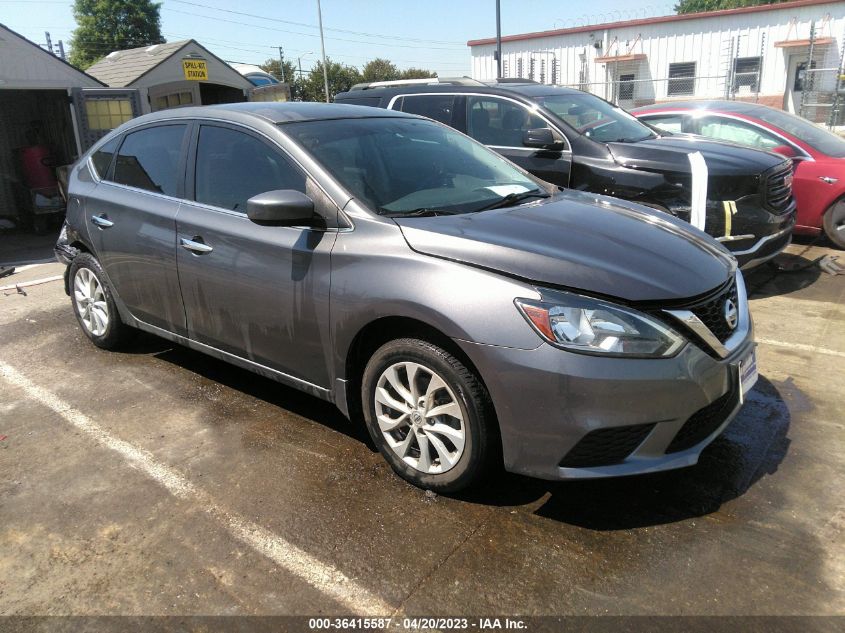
(196, 245)
(102, 221)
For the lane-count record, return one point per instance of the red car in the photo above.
(819, 155)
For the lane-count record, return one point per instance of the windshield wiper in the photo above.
(513, 198)
(422, 212)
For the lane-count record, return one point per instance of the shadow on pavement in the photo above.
(250, 384)
(752, 446)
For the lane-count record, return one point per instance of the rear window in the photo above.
(102, 158)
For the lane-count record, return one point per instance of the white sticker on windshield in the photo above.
(506, 190)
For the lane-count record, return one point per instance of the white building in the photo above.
(758, 53)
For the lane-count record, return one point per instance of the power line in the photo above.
(336, 39)
(314, 26)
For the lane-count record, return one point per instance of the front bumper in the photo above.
(548, 401)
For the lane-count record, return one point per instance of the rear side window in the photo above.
(149, 159)
(102, 158)
(232, 167)
(437, 107)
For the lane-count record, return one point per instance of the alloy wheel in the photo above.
(420, 418)
(91, 302)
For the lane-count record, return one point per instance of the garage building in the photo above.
(173, 74)
(49, 113)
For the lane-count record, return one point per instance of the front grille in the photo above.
(712, 313)
(704, 422)
(776, 187)
(604, 447)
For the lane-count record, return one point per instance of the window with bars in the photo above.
(626, 87)
(747, 73)
(681, 79)
(519, 68)
(554, 71)
(531, 69)
(542, 71)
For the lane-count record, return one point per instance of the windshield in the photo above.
(820, 140)
(596, 118)
(413, 166)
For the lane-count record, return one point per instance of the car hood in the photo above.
(594, 244)
(669, 153)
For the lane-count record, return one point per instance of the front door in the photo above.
(258, 292)
(500, 124)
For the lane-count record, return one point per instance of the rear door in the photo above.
(131, 216)
(500, 123)
(258, 292)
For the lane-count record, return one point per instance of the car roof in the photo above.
(279, 112)
(713, 105)
(528, 90)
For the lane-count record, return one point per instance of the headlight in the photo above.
(591, 326)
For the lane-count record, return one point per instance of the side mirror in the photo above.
(542, 138)
(784, 150)
(283, 207)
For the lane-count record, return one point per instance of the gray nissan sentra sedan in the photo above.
(473, 315)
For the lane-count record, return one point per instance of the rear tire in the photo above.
(429, 415)
(834, 223)
(93, 303)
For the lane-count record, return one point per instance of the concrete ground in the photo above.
(160, 481)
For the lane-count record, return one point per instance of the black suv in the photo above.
(740, 196)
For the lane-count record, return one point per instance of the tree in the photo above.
(104, 26)
(696, 6)
(380, 69)
(274, 67)
(341, 79)
(417, 73)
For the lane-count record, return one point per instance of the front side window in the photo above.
(438, 107)
(102, 158)
(498, 122)
(733, 131)
(408, 166)
(596, 118)
(672, 123)
(232, 167)
(149, 159)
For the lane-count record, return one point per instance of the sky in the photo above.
(429, 34)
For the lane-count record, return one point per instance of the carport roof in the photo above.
(119, 69)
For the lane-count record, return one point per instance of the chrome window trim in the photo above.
(189, 119)
(688, 318)
(533, 109)
(701, 113)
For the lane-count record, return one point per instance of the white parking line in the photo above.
(801, 346)
(34, 282)
(322, 576)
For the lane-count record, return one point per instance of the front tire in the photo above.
(93, 303)
(429, 415)
(834, 223)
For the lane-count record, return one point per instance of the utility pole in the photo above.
(323, 51)
(281, 65)
(498, 40)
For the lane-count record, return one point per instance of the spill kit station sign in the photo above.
(195, 69)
